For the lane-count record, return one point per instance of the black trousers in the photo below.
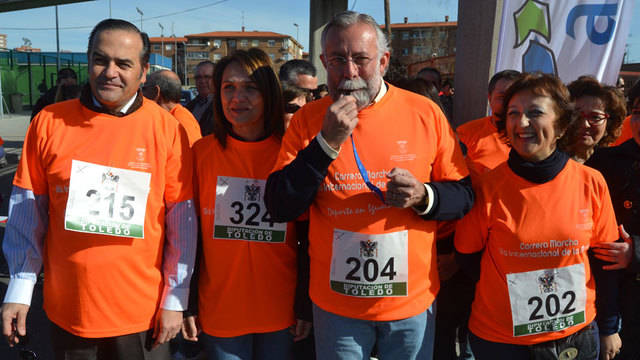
(630, 334)
(67, 346)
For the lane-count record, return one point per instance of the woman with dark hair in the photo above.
(247, 274)
(423, 87)
(601, 110)
(620, 167)
(533, 222)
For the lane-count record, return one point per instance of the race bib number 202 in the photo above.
(547, 300)
(241, 214)
(106, 200)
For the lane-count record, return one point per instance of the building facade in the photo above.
(3, 41)
(427, 44)
(215, 45)
(173, 49)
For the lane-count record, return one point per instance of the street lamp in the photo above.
(297, 31)
(162, 42)
(141, 13)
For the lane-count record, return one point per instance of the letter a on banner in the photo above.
(568, 38)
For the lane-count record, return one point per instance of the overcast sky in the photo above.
(76, 20)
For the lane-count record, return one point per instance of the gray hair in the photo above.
(170, 87)
(349, 18)
(290, 70)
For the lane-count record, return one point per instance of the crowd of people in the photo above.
(271, 211)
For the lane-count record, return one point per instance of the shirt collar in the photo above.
(381, 92)
(124, 109)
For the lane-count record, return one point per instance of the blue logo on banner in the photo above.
(591, 11)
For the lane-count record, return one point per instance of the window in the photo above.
(244, 43)
(416, 35)
(288, 57)
(156, 47)
(198, 55)
(405, 52)
(405, 35)
(286, 43)
(273, 57)
(217, 57)
(232, 43)
(197, 42)
(255, 43)
(271, 43)
(217, 43)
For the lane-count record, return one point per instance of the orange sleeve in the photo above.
(30, 174)
(291, 142)
(449, 163)
(179, 170)
(473, 230)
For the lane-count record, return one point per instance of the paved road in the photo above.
(12, 129)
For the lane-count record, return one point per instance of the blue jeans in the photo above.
(587, 341)
(339, 337)
(275, 345)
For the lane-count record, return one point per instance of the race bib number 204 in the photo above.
(370, 265)
(106, 200)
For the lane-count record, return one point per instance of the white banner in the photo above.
(568, 38)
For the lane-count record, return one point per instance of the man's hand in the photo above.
(339, 121)
(610, 346)
(168, 324)
(191, 328)
(618, 253)
(300, 330)
(14, 321)
(404, 190)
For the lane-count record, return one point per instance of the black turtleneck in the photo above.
(538, 172)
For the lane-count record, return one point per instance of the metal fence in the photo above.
(27, 75)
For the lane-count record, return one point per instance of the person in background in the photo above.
(66, 78)
(202, 106)
(294, 99)
(321, 91)
(164, 88)
(247, 273)
(432, 75)
(620, 166)
(485, 147)
(601, 111)
(299, 73)
(538, 281)
(446, 98)
(103, 195)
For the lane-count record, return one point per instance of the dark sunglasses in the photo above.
(291, 108)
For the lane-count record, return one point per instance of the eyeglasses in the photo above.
(341, 61)
(291, 108)
(594, 118)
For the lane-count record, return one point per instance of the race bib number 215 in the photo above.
(106, 200)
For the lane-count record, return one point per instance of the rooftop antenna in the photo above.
(243, 20)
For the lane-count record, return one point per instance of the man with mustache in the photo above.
(103, 197)
(375, 166)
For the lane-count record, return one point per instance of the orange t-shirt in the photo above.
(248, 270)
(535, 281)
(370, 261)
(190, 124)
(104, 283)
(485, 148)
(625, 133)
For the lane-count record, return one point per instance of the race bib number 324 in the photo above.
(106, 200)
(547, 300)
(241, 214)
(369, 265)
